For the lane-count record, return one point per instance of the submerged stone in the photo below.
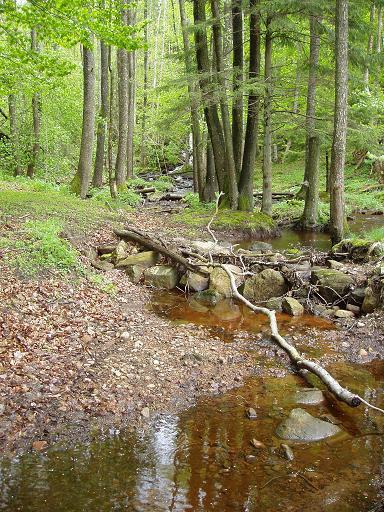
(309, 396)
(208, 297)
(227, 310)
(302, 426)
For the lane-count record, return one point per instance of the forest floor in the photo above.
(82, 351)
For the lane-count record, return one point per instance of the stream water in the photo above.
(203, 460)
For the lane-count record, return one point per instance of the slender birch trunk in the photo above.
(266, 206)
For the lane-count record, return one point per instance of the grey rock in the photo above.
(342, 313)
(213, 248)
(220, 281)
(335, 265)
(292, 306)
(355, 309)
(120, 252)
(302, 426)
(145, 412)
(265, 285)
(102, 265)
(208, 297)
(309, 396)
(161, 276)
(261, 247)
(371, 301)
(194, 282)
(134, 272)
(358, 295)
(275, 304)
(145, 259)
(251, 413)
(332, 284)
(287, 452)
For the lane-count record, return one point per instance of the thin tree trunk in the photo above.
(229, 156)
(310, 122)
(210, 110)
(379, 42)
(36, 117)
(238, 77)
(370, 45)
(143, 157)
(327, 170)
(103, 116)
(337, 214)
(251, 132)
(210, 181)
(266, 205)
(131, 101)
(87, 136)
(194, 102)
(311, 209)
(122, 92)
(14, 132)
(295, 108)
(111, 178)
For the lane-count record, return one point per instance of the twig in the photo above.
(213, 218)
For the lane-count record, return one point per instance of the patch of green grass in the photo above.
(161, 184)
(101, 282)
(375, 234)
(39, 248)
(292, 209)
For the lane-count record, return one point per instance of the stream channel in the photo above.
(202, 459)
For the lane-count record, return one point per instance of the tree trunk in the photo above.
(210, 110)
(379, 41)
(251, 132)
(370, 45)
(231, 179)
(143, 152)
(194, 103)
(210, 181)
(84, 169)
(310, 122)
(337, 215)
(111, 178)
(310, 215)
(131, 101)
(266, 205)
(238, 65)
(36, 117)
(14, 132)
(103, 116)
(122, 94)
(295, 108)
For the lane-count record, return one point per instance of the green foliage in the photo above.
(40, 248)
(376, 234)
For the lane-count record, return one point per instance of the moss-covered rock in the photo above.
(332, 284)
(145, 259)
(161, 276)
(265, 285)
(359, 249)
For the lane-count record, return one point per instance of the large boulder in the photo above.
(220, 282)
(194, 282)
(145, 259)
(265, 285)
(302, 426)
(161, 276)
(292, 306)
(359, 249)
(371, 300)
(332, 284)
(134, 272)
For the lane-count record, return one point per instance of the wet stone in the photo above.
(302, 426)
(292, 306)
(309, 396)
(342, 313)
(208, 297)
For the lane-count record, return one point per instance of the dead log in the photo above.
(147, 242)
(172, 197)
(275, 195)
(143, 191)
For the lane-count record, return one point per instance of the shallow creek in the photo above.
(203, 460)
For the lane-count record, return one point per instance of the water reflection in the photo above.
(203, 460)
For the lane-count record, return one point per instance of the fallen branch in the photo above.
(147, 190)
(145, 241)
(334, 387)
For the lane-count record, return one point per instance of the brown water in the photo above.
(319, 240)
(203, 460)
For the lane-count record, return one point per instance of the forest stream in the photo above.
(203, 459)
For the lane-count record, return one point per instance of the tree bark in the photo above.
(87, 136)
(143, 152)
(238, 65)
(311, 208)
(14, 134)
(295, 109)
(122, 94)
(103, 116)
(131, 100)
(111, 178)
(210, 187)
(266, 205)
(369, 46)
(251, 132)
(337, 214)
(206, 86)
(36, 117)
(230, 168)
(194, 104)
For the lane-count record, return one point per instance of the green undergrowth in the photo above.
(161, 184)
(38, 247)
